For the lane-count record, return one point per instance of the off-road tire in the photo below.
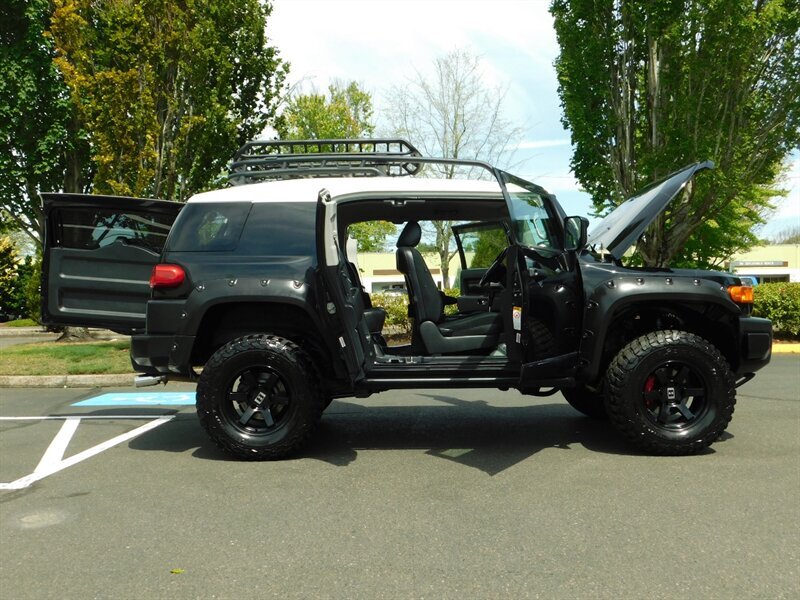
(586, 401)
(543, 342)
(251, 381)
(670, 393)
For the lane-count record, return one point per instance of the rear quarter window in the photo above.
(209, 227)
(248, 229)
(277, 229)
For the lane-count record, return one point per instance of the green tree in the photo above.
(452, 114)
(648, 87)
(166, 90)
(488, 246)
(346, 112)
(15, 274)
(371, 235)
(41, 145)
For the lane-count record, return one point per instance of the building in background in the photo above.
(379, 274)
(776, 262)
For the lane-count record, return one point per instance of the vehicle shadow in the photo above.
(474, 434)
(471, 433)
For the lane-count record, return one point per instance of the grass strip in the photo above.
(66, 358)
(20, 323)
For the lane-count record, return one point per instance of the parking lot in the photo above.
(436, 493)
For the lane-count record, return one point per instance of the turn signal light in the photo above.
(167, 276)
(741, 294)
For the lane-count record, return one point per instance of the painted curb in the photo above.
(37, 331)
(24, 332)
(67, 381)
(781, 348)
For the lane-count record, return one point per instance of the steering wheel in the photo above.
(496, 272)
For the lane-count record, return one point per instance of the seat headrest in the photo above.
(410, 235)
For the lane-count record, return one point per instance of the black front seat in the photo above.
(433, 331)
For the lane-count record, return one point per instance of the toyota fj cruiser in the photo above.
(253, 284)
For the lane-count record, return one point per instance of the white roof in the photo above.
(307, 190)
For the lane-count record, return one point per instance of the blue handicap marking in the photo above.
(140, 399)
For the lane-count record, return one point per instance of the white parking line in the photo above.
(53, 459)
(55, 451)
(62, 417)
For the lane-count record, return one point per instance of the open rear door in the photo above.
(345, 304)
(99, 252)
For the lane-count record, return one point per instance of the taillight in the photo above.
(167, 276)
(741, 294)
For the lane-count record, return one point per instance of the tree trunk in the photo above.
(75, 334)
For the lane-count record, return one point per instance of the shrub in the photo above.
(31, 289)
(396, 306)
(451, 309)
(780, 303)
(14, 276)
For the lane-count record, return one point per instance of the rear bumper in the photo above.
(162, 354)
(755, 344)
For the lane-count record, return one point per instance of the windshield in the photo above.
(534, 222)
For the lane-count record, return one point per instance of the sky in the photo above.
(385, 43)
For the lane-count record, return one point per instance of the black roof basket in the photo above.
(296, 159)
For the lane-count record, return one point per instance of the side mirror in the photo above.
(575, 229)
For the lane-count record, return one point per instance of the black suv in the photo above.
(253, 284)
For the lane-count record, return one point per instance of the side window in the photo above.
(209, 227)
(280, 229)
(482, 244)
(89, 229)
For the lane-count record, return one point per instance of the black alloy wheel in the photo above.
(259, 397)
(675, 396)
(670, 392)
(258, 401)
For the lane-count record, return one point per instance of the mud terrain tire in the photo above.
(259, 398)
(670, 393)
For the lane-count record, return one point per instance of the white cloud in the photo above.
(382, 42)
(557, 184)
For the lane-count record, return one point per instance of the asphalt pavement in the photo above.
(430, 494)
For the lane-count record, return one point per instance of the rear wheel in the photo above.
(670, 392)
(259, 398)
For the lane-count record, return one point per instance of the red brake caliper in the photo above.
(649, 386)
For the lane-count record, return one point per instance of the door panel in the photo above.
(99, 253)
(469, 282)
(345, 302)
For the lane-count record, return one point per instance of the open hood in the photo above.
(620, 229)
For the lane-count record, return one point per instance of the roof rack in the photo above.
(294, 159)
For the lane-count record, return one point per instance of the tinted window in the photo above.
(209, 227)
(280, 229)
(90, 228)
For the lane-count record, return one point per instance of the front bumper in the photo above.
(162, 354)
(755, 344)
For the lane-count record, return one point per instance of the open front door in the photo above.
(99, 252)
(344, 301)
(543, 284)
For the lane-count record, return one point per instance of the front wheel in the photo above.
(259, 397)
(670, 392)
